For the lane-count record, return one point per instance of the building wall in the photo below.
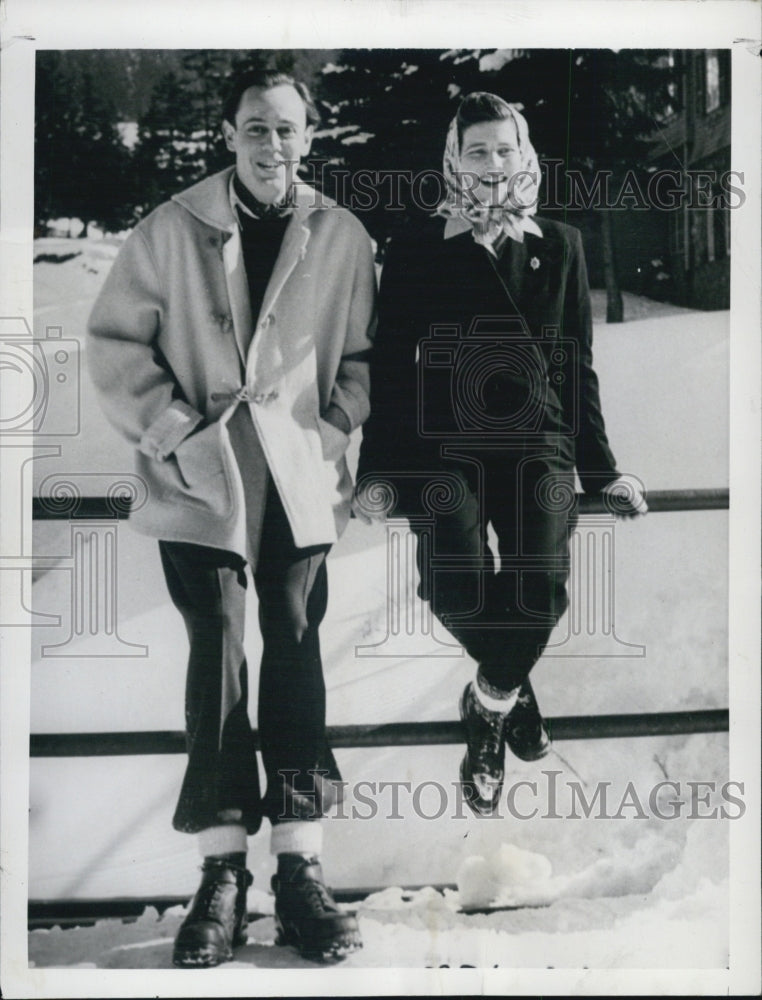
(694, 239)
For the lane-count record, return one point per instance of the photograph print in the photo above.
(380, 504)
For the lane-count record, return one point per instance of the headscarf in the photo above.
(513, 216)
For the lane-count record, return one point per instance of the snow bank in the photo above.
(671, 935)
(424, 930)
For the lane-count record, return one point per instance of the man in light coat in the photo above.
(229, 346)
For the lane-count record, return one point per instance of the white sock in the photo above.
(503, 704)
(227, 839)
(297, 837)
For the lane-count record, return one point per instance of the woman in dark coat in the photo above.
(483, 402)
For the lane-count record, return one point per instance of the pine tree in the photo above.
(205, 76)
(387, 111)
(170, 152)
(81, 164)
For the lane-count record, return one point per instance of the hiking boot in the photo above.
(525, 730)
(216, 921)
(483, 766)
(306, 914)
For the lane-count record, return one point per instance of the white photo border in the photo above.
(29, 25)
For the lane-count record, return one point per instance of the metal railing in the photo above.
(118, 508)
(387, 734)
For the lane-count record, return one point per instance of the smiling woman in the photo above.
(484, 402)
(491, 152)
(491, 171)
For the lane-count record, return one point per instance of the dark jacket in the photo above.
(464, 354)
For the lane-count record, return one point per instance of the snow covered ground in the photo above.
(632, 892)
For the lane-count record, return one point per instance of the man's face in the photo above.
(269, 137)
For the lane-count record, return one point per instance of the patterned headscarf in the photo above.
(487, 222)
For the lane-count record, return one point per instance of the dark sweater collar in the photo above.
(258, 208)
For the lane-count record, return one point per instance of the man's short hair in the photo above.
(265, 80)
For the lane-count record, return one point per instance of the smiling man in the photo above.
(269, 130)
(229, 346)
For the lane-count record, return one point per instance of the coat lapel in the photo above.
(209, 200)
(292, 250)
(512, 267)
(541, 267)
(269, 348)
(525, 276)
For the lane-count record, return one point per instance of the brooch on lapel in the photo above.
(534, 263)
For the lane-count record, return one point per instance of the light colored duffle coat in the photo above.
(172, 343)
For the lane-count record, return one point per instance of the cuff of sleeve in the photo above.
(169, 429)
(336, 416)
(354, 405)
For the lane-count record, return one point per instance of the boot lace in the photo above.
(489, 747)
(210, 891)
(317, 895)
(488, 742)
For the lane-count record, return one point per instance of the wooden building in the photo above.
(678, 249)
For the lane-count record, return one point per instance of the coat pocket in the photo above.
(201, 466)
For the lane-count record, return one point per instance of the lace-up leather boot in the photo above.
(306, 914)
(525, 730)
(216, 920)
(483, 766)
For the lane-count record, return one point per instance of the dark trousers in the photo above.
(208, 587)
(502, 616)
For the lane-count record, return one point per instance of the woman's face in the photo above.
(490, 158)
